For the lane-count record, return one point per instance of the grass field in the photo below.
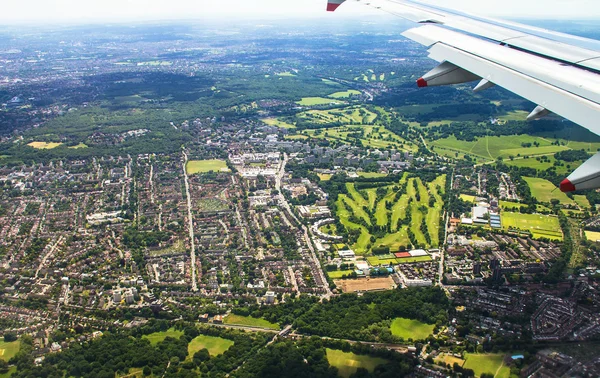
(371, 174)
(11, 370)
(346, 94)
(44, 145)
(582, 201)
(370, 136)
(277, 123)
(337, 274)
(492, 147)
(592, 236)
(511, 205)
(312, 101)
(387, 212)
(8, 350)
(467, 198)
(79, 146)
(215, 345)
(411, 329)
(449, 360)
(545, 191)
(249, 321)
(487, 363)
(157, 337)
(348, 363)
(203, 166)
(324, 176)
(545, 226)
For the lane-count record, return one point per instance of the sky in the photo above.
(83, 11)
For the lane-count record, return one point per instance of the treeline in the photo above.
(358, 318)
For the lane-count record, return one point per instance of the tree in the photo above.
(147, 371)
(201, 356)
(10, 337)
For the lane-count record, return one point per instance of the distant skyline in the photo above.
(86, 11)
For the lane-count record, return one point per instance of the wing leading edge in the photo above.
(559, 72)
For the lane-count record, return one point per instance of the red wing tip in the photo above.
(567, 186)
(332, 7)
(421, 83)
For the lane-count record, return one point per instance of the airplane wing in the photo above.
(557, 71)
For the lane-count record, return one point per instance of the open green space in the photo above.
(157, 337)
(508, 205)
(345, 94)
(487, 363)
(371, 174)
(540, 226)
(9, 350)
(286, 74)
(212, 204)
(348, 363)
(249, 321)
(368, 135)
(44, 145)
(203, 166)
(277, 123)
(79, 146)
(337, 274)
(492, 147)
(312, 101)
(467, 198)
(545, 191)
(355, 115)
(582, 201)
(215, 345)
(365, 213)
(592, 236)
(411, 329)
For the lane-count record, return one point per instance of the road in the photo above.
(190, 224)
(443, 248)
(47, 255)
(305, 229)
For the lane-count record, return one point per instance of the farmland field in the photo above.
(9, 350)
(348, 363)
(44, 145)
(157, 337)
(215, 345)
(411, 329)
(540, 226)
(249, 321)
(487, 363)
(203, 166)
(544, 191)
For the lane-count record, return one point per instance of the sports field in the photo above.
(366, 284)
(157, 337)
(540, 226)
(592, 236)
(487, 363)
(202, 166)
(411, 329)
(277, 123)
(44, 145)
(249, 321)
(312, 101)
(215, 345)
(9, 350)
(348, 363)
(388, 210)
(346, 94)
(545, 191)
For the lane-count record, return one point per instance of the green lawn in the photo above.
(11, 370)
(546, 226)
(215, 345)
(582, 201)
(348, 363)
(411, 329)
(157, 337)
(8, 350)
(203, 166)
(467, 198)
(249, 321)
(345, 94)
(277, 123)
(44, 145)
(544, 191)
(337, 274)
(511, 205)
(487, 363)
(312, 101)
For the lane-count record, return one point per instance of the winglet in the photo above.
(332, 5)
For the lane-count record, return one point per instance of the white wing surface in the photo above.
(557, 71)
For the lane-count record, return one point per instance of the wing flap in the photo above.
(559, 101)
